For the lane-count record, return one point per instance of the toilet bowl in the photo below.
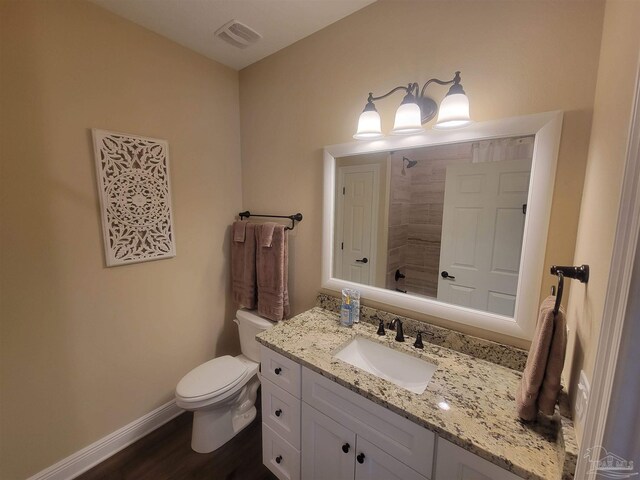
(222, 392)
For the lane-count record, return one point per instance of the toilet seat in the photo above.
(212, 379)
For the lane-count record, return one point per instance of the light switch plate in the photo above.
(582, 398)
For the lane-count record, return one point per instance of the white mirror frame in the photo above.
(547, 129)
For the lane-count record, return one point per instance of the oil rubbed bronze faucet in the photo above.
(397, 325)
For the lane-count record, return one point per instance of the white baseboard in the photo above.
(88, 457)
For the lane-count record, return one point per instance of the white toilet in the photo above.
(222, 392)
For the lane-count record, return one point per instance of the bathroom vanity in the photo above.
(324, 418)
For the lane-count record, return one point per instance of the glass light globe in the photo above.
(408, 120)
(454, 112)
(368, 126)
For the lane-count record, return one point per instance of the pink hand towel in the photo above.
(272, 264)
(243, 267)
(266, 233)
(239, 231)
(541, 379)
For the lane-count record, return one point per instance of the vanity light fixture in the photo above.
(417, 109)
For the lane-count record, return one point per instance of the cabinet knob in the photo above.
(278, 412)
(360, 458)
(278, 370)
(346, 447)
(278, 458)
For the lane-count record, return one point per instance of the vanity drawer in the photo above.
(281, 412)
(280, 370)
(404, 440)
(279, 456)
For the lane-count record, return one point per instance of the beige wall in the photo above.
(614, 97)
(86, 349)
(516, 58)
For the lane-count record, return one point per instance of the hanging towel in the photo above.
(266, 234)
(272, 266)
(243, 265)
(541, 379)
(239, 229)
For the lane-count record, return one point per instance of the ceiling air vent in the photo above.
(238, 34)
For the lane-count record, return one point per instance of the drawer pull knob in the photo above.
(278, 412)
(278, 458)
(278, 370)
(360, 458)
(346, 447)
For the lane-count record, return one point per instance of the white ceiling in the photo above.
(192, 23)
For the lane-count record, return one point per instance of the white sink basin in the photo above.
(406, 371)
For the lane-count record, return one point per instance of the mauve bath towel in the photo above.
(243, 264)
(272, 264)
(541, 379)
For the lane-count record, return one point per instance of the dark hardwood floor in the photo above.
(165, 454)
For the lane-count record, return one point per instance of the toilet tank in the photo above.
(249, 325)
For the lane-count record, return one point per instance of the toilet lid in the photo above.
(215, 376)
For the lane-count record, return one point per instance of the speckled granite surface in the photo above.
(569, 451)
(505, 355)
(481, 416)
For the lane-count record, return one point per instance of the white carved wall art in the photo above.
(135, 197)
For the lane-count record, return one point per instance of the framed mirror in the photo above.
(451, 224)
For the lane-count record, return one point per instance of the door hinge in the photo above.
(524, 208)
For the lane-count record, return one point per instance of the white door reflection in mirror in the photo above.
(482, 228)
(357, 212)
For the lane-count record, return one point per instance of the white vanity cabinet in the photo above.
(331, 451)
(455, 463)
(404, 445)
(315, 429)
(280, 378)
(328, 448)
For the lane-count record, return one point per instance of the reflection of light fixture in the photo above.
(416, 109)
(443, 405)
(410, 163)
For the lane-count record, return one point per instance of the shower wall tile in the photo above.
(434, 215)
(419, 213)
(423, 255)
(396, 259)
(422, 279)
(416, 253)
(424, 233)
(406, 212)
(395, 214)
(401, 193)
(422, 195)
(398, 236)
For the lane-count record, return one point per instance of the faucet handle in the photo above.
(418, 343)
(381, 328)
(392, 325)
(400, 334)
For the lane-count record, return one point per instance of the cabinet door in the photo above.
(455, 463)
(372, 463)
(327, 447)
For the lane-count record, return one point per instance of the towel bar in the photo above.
(579, 273)
(294, 218)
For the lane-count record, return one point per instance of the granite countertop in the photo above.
(481, 416)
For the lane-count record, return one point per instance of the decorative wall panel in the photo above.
(135, 197)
